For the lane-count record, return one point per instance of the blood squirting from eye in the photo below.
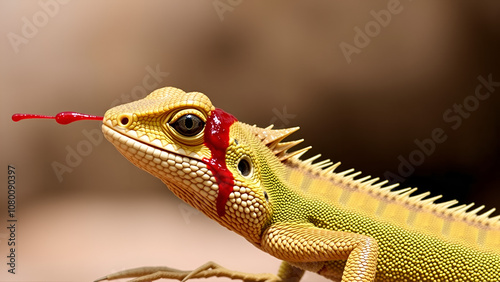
(61, 118)
(217, 140)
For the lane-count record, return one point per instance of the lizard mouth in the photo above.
(159, 161)
(173, 168)
(143, 147)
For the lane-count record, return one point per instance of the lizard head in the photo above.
(203, 154)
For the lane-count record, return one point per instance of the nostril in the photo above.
(124, 120)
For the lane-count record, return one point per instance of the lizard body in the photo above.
(304, 213)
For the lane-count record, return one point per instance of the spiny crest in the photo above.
(404, 196)
(273, 138)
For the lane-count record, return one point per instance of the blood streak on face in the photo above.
(217, 140)
(61, 118)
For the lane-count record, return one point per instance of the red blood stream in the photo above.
(61, 118)
(217, 140)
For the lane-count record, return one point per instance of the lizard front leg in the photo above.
(305, 244)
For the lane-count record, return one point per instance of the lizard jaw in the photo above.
(130, 139)
(141, 149)
(177, 171)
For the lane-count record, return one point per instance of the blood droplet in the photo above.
(61, 118)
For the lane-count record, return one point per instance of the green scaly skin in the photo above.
(304, 213)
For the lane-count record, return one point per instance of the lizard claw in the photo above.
(209, 269)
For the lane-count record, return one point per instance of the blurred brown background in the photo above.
(264, 62)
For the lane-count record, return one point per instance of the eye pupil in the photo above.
(188, 125)
(244, 167)
(189, 122)
(124, 120)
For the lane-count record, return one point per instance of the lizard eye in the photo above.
(188, 125)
